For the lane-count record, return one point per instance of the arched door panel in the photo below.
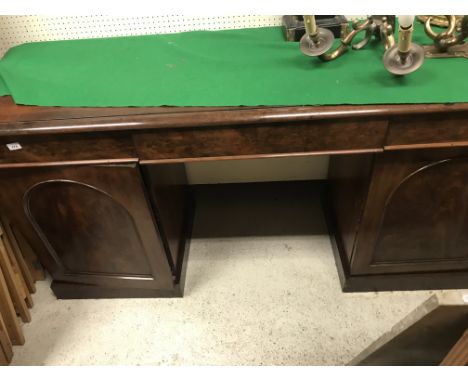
(90, 225)
(416, 214)
(73, 219)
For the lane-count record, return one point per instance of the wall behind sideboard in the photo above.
(258, 170)
(15, 30)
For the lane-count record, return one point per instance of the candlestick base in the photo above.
(459, 50)
(403, 63)
(318, 45)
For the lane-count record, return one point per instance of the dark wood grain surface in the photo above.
(48, 150)
(348, 185)
(428, 131)
(89, 224)
(415, 214)
(397, 188)
(20, 120)
(168, 193)
(317, 137)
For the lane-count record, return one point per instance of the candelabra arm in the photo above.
(448, 38)
(451, 28)
(369, 33)
(347, 40)
(463, 31)
(335, 54)
(386, 35)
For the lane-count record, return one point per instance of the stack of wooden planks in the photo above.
(18, 273)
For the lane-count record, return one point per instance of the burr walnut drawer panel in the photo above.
(73, 148)
(430, 131)
(203, 143)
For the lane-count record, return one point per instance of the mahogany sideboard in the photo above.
(101, 193)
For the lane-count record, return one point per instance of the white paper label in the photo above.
(465, 298)
(14, 146)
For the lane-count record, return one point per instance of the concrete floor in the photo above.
(261, 289)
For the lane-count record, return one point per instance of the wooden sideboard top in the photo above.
(25, 120)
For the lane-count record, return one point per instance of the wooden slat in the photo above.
(3, 358)
(9, 314)
(20, 282)
(15, 286)
(30, 257)
(458, 355)
(6, 348)
(25, 272)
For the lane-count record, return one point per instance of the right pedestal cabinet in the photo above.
(402, 213)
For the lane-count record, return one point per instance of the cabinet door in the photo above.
(416, 214)
(89, 224)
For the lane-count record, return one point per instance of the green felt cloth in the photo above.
(223, 68)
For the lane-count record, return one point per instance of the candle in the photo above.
(405, 21)
(405, 33)
(310, 25)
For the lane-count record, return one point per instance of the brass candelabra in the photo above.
(402, 56)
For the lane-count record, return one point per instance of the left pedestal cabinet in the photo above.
(94, 228)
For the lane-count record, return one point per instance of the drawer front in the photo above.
(74, 148)
(439, 130)
(322, 137)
